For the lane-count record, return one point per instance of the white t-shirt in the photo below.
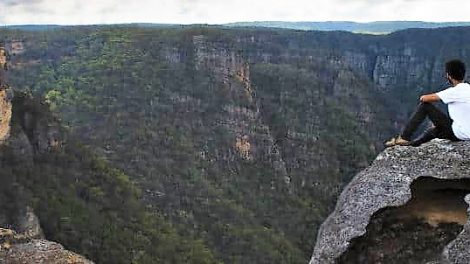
(458, 100)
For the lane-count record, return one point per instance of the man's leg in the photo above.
(428, 135)
(441, 121)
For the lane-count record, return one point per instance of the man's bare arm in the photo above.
(429, 98)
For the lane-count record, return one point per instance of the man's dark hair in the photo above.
(456, 69)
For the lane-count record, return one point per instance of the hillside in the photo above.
(240, 138)
(54, 186)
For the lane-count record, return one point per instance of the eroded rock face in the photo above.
(19, 248)
(408, 195)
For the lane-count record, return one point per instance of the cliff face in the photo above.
(26, 130)
(409, 205)
(392, 68)
(252, 139)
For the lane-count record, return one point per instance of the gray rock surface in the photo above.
(386, 183)
(20, 248)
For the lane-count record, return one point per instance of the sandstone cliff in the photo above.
(5, 114)
(409, 206)
(5, 99)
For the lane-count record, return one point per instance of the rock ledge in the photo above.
(387, 183)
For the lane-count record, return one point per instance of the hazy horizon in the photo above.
(214, 12)
(235, 22)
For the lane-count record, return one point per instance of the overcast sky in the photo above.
(223, 11)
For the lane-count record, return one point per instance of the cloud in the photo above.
(223, 11)
(17, 2)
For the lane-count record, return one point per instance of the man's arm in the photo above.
(429, 98)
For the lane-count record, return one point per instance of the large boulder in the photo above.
(409, 206)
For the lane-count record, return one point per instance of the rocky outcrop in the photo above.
(5, 113)
(409, 205)
(33, 119)
(20, 248)
(28, 224)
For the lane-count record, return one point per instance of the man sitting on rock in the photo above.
(456, 127)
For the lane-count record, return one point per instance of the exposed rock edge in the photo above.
(19, 248)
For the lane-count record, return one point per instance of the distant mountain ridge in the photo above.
(42, 27)
(378, 27)
(33, 27)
